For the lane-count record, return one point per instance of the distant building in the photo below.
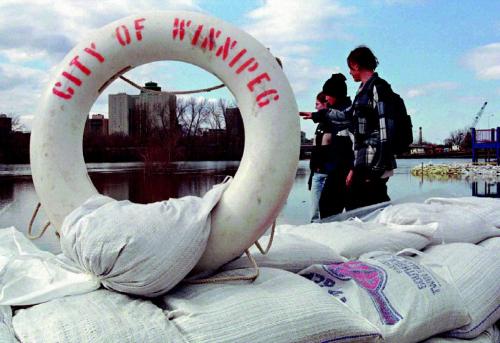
(421, 149)
(134, 115)
(5, 125)
(417, 149)
(96, 125)
(119, 108)
(234, 122)
(235, 131)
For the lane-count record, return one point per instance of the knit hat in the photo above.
(335, 86)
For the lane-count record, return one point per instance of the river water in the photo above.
(18, 198)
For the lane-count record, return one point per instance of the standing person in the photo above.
(373, 131)
(374, 160)
(331, 157)
(317, 176)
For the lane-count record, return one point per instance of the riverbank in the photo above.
(456, 169)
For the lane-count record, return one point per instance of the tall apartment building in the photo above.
(96, 125)
(134, 115)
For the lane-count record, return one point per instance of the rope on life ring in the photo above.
(30, 226)
(202, 90)
(251, 277)
(269, 244)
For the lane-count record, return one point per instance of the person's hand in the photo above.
(348, 179)
(305, 115)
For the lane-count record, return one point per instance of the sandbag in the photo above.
(99, 316)
(139, 249)
(491, 243)
(492, 335)
(6, 330)
(467, 219)
(30, 276)
(278, 307)
(353, 238)
(288, 252)
(476, 272)
(405, 300)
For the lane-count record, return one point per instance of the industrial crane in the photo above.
(478, 115)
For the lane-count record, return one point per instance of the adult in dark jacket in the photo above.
(373, 131)
(332, 155)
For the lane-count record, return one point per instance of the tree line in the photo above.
(195, 131)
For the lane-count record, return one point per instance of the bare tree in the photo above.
(218, 114)
(194, 117)
(181, 107)
(17, 125)
(456, 137)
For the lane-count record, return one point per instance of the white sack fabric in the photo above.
(30, 276)
(476, 272)
(139, 249)
(6, 330)
(278, 307)
(353, 238)
(467, 219)
(288, 252)
(405, 300)
(96, 317)
(492, 335)
(491, 243)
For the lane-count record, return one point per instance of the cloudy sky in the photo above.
(443, 57)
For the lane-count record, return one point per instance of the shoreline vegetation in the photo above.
(194, 151)
(456, 169)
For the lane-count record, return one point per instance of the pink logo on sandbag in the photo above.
(371, 278)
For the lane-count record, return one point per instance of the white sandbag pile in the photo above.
(348, 292)
(491, 243)
(476, 272)
(404, 299)
(30, 276)
(492, 335)
(353, 238)
(279, 307)
(99, 316)
(139, 249)
(466, 219)
(288, 252)
(6, 330)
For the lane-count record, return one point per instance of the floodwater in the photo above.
(18, 198)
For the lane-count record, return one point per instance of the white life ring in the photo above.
(263, 93)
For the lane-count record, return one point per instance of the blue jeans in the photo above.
(318, 181)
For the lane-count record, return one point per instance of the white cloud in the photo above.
(402, 2)
(16, 55)
(302, 73)
(31, 27)
(36, 34)
(428, 88)
(485, 61)
(14, 76)
(293, 30)
(20, 88)
(298, 21)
